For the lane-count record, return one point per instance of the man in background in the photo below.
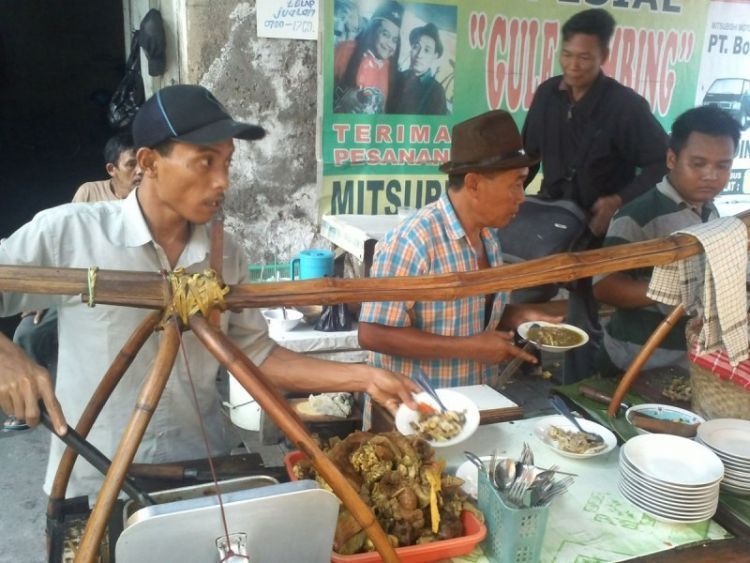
(600, 147)
(702, 146)
(122, 167)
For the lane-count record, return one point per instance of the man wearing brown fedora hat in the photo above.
(455, 342)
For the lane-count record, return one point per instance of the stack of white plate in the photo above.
(729, 438)
(671, 478)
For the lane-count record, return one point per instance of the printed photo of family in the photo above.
(393, 58)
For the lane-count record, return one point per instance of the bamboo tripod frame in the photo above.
(149, 290)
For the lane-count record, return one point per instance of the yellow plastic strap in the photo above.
(194, 293)
(91, 280)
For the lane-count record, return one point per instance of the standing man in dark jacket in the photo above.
(600, 146)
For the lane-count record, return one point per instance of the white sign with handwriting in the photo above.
(291, 19)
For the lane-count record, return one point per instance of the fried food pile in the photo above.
(398, 477)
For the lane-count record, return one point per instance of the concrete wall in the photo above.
(272, 206)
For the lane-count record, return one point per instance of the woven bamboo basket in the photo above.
(714, 397)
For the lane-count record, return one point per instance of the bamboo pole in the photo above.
(102, 393)
(148, 399)
(634, 370)
(147, 289)
(275, 405)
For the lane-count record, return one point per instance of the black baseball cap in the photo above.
(153, 42)
(189, 114)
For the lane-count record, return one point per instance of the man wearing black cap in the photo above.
(186, 144)
(415, 90)
(454, 342)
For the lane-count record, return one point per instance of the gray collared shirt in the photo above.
(114, 236)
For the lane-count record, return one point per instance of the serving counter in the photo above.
(592, 521)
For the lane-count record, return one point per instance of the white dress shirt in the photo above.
(114, 236)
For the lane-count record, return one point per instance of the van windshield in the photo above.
(726, 86)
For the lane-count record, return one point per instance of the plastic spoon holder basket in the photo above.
(514, 535)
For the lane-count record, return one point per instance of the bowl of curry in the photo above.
(553, 337)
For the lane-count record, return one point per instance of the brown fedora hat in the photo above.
(489, 141)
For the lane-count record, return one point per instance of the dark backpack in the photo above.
(542, 227)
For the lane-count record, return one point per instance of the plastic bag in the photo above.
(334, 318)
(129, 95)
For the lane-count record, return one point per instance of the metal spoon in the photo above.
(559, 405)
(424, 383)
(505, 473)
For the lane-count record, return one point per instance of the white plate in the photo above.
(470, 474)
(670, 508)
(688, 493)
(673, 459)
(541, 431)
(686, 489)
(662, 412)
(663, 516)
(729, 436)
(454, 401)
(523, 330)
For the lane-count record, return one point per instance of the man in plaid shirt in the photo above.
(455, 342)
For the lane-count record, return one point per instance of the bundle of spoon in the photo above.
(520, 482)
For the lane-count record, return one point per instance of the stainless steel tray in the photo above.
(199, 491)
(284, 522)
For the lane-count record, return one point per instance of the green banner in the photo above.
(384, 133)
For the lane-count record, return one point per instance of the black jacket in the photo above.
(607, 143)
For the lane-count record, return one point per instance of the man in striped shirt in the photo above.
(702, 146)
(455, 342)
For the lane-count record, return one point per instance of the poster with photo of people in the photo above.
(393, 58)
(397, 75)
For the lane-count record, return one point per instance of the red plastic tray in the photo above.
(435, 551)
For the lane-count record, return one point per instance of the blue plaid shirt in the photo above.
(434, 242)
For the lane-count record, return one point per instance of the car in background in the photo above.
(733, 96)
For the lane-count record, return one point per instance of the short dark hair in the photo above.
(709, 120)
(165, 147)
(591, 22)
(117, 145)
(456, 181)
(431, 31)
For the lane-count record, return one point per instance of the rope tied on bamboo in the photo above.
(194, 293)
(91, 283)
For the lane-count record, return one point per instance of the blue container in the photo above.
(311, 264)
(514, 535)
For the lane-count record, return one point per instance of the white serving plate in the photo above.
(673, 459)
(541, 431)
(454, 401)
(662, 412)
(665, 515)
(523, 330)
(670, 508)
(647, 490)
(728, 436)
(689, 491)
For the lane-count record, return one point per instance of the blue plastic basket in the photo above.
(514, 535)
